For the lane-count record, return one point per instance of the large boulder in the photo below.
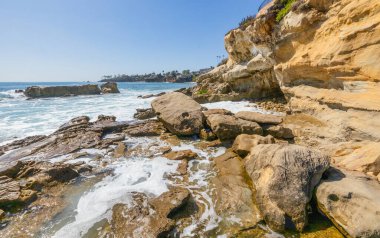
(227, 127)
(244, 143)
(61, 91)
(179, 113)
(284, 177)
(233, 193)
(352, 201)
(109, 87)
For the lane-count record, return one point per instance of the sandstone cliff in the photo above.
(322, 56)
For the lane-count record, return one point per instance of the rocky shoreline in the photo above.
(250, 181)
(306, 167)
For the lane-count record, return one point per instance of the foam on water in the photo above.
(132, 175)
(235, 107)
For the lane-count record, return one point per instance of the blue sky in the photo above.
(81, 40)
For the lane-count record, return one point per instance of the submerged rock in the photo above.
(228, 127)
(109, 87)
(284, 177)
(352, 201)
(180, 114)
(61, 91)
(146, 217)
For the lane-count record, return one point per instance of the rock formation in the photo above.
(109, 87)
(284, 177)
(351, 201)
(180, 114)
(61, 91)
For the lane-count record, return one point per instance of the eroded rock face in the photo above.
(284, 177)
(233, 194)
(61, 91)
(109, 87)
(72, 136)
(143, 114)
(146, 128)
(148, 217)
(180, 114)
(351, 201)
(244, 143)
(228, 127)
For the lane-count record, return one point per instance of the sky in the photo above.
(82, 40)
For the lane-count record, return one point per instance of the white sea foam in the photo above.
(133, 175)
(235, 107)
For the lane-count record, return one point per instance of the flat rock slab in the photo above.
(352, 201)
(259, 117)
(179, 113)
(227, 127)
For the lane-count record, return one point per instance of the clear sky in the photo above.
(81, 40)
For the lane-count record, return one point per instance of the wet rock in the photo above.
(61, 91)
(10, 190)
(279, 132)
(11, 169)
(207, 135)
(170, 202)
(233, 194)
(244, 143)
(228, 127)
(39, 174)
(148, 218)
(351, 201)
(284, 177)
(146, 128)
(19, 91)
(181, 155)
(143, 114)
(259, 117)
(119, 150)
(79, 133)
(179, 113)
(109, 87)
(22, 143)
(182, 167)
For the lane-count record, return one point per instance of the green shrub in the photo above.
(285, 10)
(223, 61)
(202, 91)
(246, 22)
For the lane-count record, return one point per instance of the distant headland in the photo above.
(170, 76)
